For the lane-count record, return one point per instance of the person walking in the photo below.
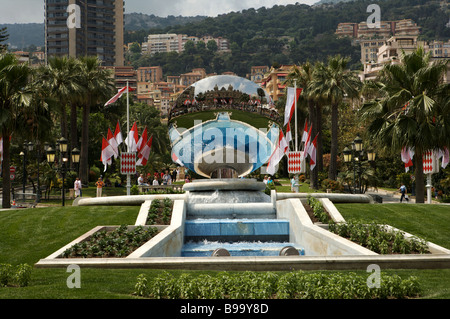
(77, 187)
(99, 185)
(404, 195)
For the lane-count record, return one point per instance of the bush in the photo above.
(265, 285)
(19, 276)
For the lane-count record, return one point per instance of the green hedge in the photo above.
(266, 285)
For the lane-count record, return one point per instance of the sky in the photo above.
(32, 11)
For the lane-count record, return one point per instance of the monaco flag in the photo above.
(312, 153)
(145, 153)
(277, 154)
(290, 103)
(118, 95)
(107, 153)
(112, 141)
(288, 134)
(142, 139)
(132, 138)
(407, 155)
(118, 134)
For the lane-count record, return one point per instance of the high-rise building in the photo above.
(85, 28)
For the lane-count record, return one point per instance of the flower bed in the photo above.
(160, 212)
(119, 242)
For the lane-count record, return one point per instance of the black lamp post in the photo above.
(355, 155)
(63, 161)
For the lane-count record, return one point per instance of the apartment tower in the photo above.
(85, 28)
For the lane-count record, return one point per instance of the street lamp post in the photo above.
(63, 162)
(355, 155)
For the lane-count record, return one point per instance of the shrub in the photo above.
(15, 276)
(265, 285)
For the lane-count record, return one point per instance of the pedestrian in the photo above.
(77, 187)
(99, 185)
(141, 181)
(404, 195)
(293, 184)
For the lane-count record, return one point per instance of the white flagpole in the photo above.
(296, 136)
(128, 144)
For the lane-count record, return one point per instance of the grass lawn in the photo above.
(28, 235)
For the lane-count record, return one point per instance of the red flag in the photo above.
(145, 153)
(307, 142)
(312, 153)
(288, 134)
(142, 139)
(291, 97)
(407, 155)
(277, 154)
(118, 134)
(132, 138)
(117, 96)
(305, 132)
(112, 141)
(107, 153)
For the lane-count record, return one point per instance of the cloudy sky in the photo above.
(28, 11)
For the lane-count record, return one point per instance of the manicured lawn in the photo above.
(28, 235)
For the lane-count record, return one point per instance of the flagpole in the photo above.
(128, 144)
(296, 136)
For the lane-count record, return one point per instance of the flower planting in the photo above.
(379, 239)
(160, 212)
(117, 243)
(270, 285)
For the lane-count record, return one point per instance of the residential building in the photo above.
(385, 31)
(273, 83)
(149, 74)
(123, 75)
(257, 73)
(171, 42)
(99, 31)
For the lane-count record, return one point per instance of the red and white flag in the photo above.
(142, 139)
(312, 153)
(145, 153)
(305, 132)
(112, 141)
(107, 153)
(132, 138)
(290, 103)
(407, 155)
(307, 142)
(118, 134)
(277, 154)
(288, 134)
(175, 159)
(118, 95)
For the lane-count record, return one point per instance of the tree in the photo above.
(334, 82)
(412, 110)
(98, 86)
(61, 76)
(3, 37)
(14, 96)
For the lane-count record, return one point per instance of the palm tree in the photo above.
(14, 96)
(413, 109)
(304, 76)
(334, 82)
(98, 86)
(61, 76)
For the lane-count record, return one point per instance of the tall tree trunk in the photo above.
(332, 172)
(73, 126)
(313, 121)
(420, 182)
(64, 121)
(319, 159)
(84, 159)
(6, 191)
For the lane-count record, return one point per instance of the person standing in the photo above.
(403, 191)
(99, 185)
(77, 187)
